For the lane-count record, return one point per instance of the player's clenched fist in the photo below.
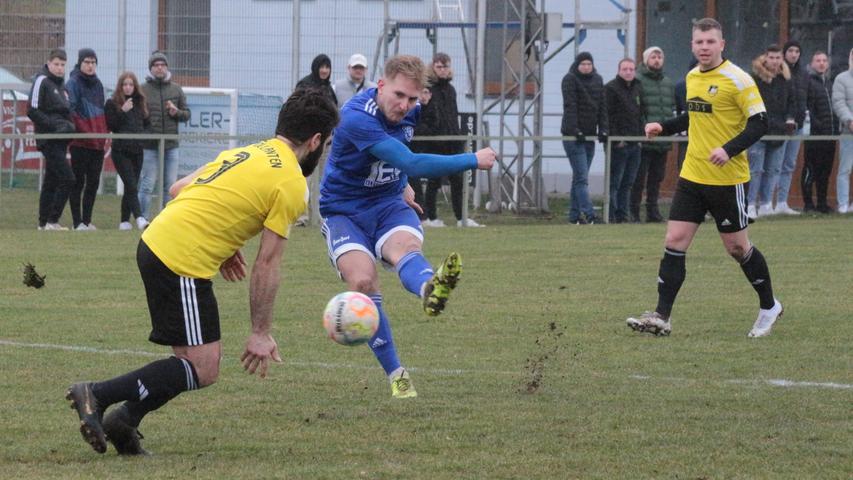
(486, 158)
(653, 129)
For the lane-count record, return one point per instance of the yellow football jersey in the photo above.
(231, 201)
(719, 102)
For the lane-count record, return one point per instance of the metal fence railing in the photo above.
(489, 190)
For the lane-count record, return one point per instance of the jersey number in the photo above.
(239, 158)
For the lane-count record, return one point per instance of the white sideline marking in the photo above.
(775, 382)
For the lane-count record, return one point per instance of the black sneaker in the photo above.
(122, 434)
(83, 400)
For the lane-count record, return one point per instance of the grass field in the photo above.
(531, 372)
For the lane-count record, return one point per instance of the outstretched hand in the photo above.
(260, 348)
(234, 269)
(486, 157)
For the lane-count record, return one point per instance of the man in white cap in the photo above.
(355, 81)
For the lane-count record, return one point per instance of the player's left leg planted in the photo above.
(383, 348)
(671, 275)
(754, 266)
(143, 391)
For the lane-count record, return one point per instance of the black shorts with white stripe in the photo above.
(725, 203)
(183, 310)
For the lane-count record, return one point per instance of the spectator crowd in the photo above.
(799, 95)
(800, 98)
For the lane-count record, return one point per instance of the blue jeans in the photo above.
(149, 174)
(789, 164)
(845, 166)
(624, 163)
(765, 162)
(580, 157)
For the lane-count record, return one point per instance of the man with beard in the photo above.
(368, 207)
(658, 101)
(259, 188)
(167, 108)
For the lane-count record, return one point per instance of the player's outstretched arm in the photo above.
(398, 155)
(261, 347)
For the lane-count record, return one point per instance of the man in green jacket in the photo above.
(167, 106)
(658, 103)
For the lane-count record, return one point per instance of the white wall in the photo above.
(251, 48)
(95, 24)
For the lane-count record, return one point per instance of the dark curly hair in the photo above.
(306, 113)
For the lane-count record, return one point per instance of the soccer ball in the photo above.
(351, 318)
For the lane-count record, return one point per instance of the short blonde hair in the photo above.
(408, 66)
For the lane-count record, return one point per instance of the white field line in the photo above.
(438, 371)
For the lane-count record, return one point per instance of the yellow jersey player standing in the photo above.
(725, 116)
(257, 189)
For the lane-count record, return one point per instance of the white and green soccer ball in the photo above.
(351, 318)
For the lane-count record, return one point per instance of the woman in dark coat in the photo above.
(127, 112)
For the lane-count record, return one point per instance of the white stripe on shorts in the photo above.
(189, 302)
(742, 218)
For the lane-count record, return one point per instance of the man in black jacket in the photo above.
(765, 157)
(440, 117)
(625, 116)
(799, 89)
(819, 155)
(51, 113)
(584, 115)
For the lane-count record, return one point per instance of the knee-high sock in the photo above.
(382, 342)
(414, 271)
(148, 388)
(755, 268)
(670, 277)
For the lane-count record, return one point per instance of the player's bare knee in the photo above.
(208, 373)
(363, 283)
(736, 251)
(675, 239)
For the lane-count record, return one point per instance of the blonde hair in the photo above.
(409, 66)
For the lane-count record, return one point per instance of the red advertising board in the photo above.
(26, 155)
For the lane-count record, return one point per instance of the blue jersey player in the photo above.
(367, 205)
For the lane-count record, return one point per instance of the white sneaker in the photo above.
(125, 226)
(54, 226)
(650, 322)
(82, 227)
(766, 319)
(751, 213)
(141, 223)
(91, 226)
(765, 210)
(469, 223)
(437, 223)
(843, 208)
(783, 209)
